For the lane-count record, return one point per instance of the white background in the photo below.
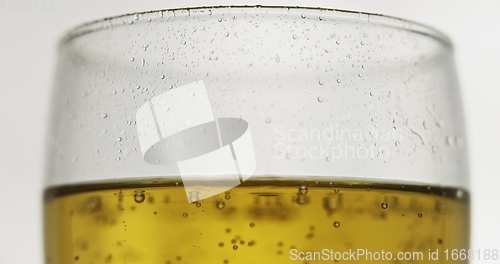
(27, 55)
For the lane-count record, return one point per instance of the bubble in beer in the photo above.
(185, 215)
(420, 215)
(235, 247)
(220, 204)
(221, 244)
(252, 224)
(384, 205)
(139, 196)
(303, 189)
(336, 224)
(198, 204)
(251, 243)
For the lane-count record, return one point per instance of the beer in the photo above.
(264, 220)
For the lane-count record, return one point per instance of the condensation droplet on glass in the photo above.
(384, 205)
(132, 59)
(321, 82)
(277, 58)
(162, 77)
(303, 189)
(336, 224)
(143, 62)
(434, 149)
(227, 34)
(267, 120)
(104, 115)
(294, 36)
(303, 16)
(338, 80)
(320, 99)
(119, 139)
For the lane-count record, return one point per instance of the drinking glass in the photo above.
(254, 134)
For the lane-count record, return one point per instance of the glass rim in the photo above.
(369, 17)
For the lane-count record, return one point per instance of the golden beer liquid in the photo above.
(261, 221)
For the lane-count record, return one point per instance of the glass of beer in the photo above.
(254, 134)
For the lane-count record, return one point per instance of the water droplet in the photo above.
(434, 149)
(252, 224)
(303, 189)
(143, 62)
(450, 142)
(338, 42)
(220, 204)
(328, 158)
(321, 82)
(119, 139)
(362, 43)
(185, 215)
(155, 213)
(226, 261)
(221, 244)
(336, 224)
(162, 76)
(251, 243)
(132, 59)
(220, 19)
(139, 196)
(396, 143)
(267, 120)
(227, 34)
(198, 204)
(371, 93)
(235, 247)
(384, 205)
(303, 16)
(294, 36)
(104, 115)
(336, 190)
(338, 80)
(277, 59)
(320, 99)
